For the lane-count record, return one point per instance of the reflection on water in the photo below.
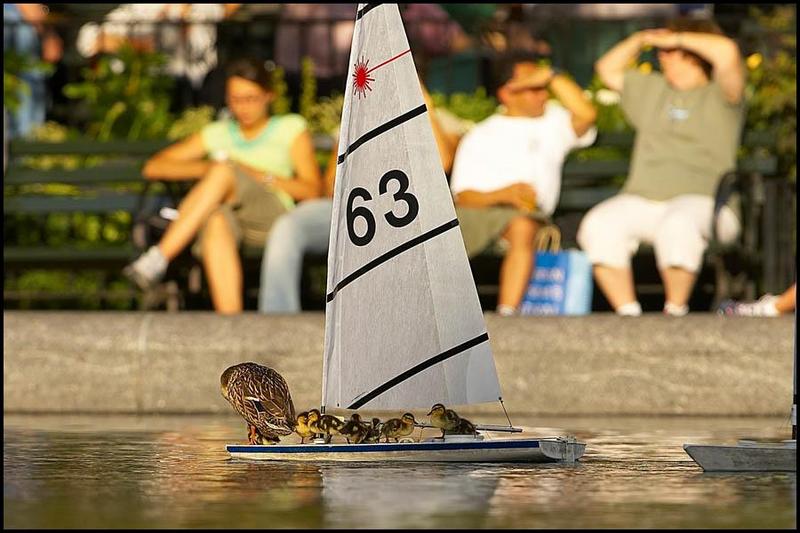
(173, 472)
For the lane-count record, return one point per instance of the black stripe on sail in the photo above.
(419, 368)
(367, 8)
(381, 129)
(419, 239)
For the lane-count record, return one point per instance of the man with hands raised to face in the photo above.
(507, 172)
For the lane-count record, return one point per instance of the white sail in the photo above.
(404, 327)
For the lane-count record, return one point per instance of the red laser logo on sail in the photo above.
(361, 75)
(361, 78)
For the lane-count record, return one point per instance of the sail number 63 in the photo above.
(362, 212)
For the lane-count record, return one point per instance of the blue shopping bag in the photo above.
(561, 282)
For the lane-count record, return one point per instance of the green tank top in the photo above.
(270, 151)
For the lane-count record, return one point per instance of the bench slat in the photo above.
(583, 199)
(117, 172)
(625, 138)
(103, 203)
(86, 147)
(19, 147)
(66, 254)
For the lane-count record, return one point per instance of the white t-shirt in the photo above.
(503, 150)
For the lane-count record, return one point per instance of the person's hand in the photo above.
(519, 195)
(660, 38)
(538, 79)
(52, 47)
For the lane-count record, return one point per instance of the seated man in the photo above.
(262, 165)
(507, 170)
(688, 120)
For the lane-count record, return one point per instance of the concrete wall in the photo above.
(598, 365)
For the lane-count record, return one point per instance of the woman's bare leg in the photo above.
(616, 284)
(787, 301)
(216, 187)
(222, 264)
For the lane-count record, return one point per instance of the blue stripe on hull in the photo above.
(380, 447)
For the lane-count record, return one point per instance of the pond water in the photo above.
(174, 472)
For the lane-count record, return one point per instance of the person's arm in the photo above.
(722, 52)
(582, 112)
(330, 171)
(612, 65)
(36, 16)
(445, 142)
(307, 181)
(572, 98)
(519, 195)
(180, 161)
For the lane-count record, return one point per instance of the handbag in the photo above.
(561, 281)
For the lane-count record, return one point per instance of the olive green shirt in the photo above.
(685, 140)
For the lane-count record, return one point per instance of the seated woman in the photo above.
(261, 165)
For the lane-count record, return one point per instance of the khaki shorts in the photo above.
(483, 227)
(250, 216)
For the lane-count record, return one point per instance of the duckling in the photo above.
(374, 434)
(302, 428)
(465, 427)
(313, 423)
(444, 419)
(328, 424)
(355, 429)
(398, 427)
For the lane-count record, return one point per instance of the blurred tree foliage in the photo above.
(772, 82)
(127, 94)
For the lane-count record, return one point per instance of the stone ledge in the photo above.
(114, 362)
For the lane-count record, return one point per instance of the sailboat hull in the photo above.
(548, 450)
(749, 457)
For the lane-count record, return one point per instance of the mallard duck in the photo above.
(443, 418)
(302, 428)
(355, 429)
(261, 396)
(374, 434)
(398, 427)
(328, 425)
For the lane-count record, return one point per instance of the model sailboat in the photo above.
(403, 327)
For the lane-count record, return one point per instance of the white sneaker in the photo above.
(765, 306)
(629, 309)
(148, 269)
(672, 309)
(506, 310)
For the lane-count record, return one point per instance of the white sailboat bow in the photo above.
(403, 325)
(752, 455)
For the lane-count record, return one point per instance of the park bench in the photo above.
(115, 186)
